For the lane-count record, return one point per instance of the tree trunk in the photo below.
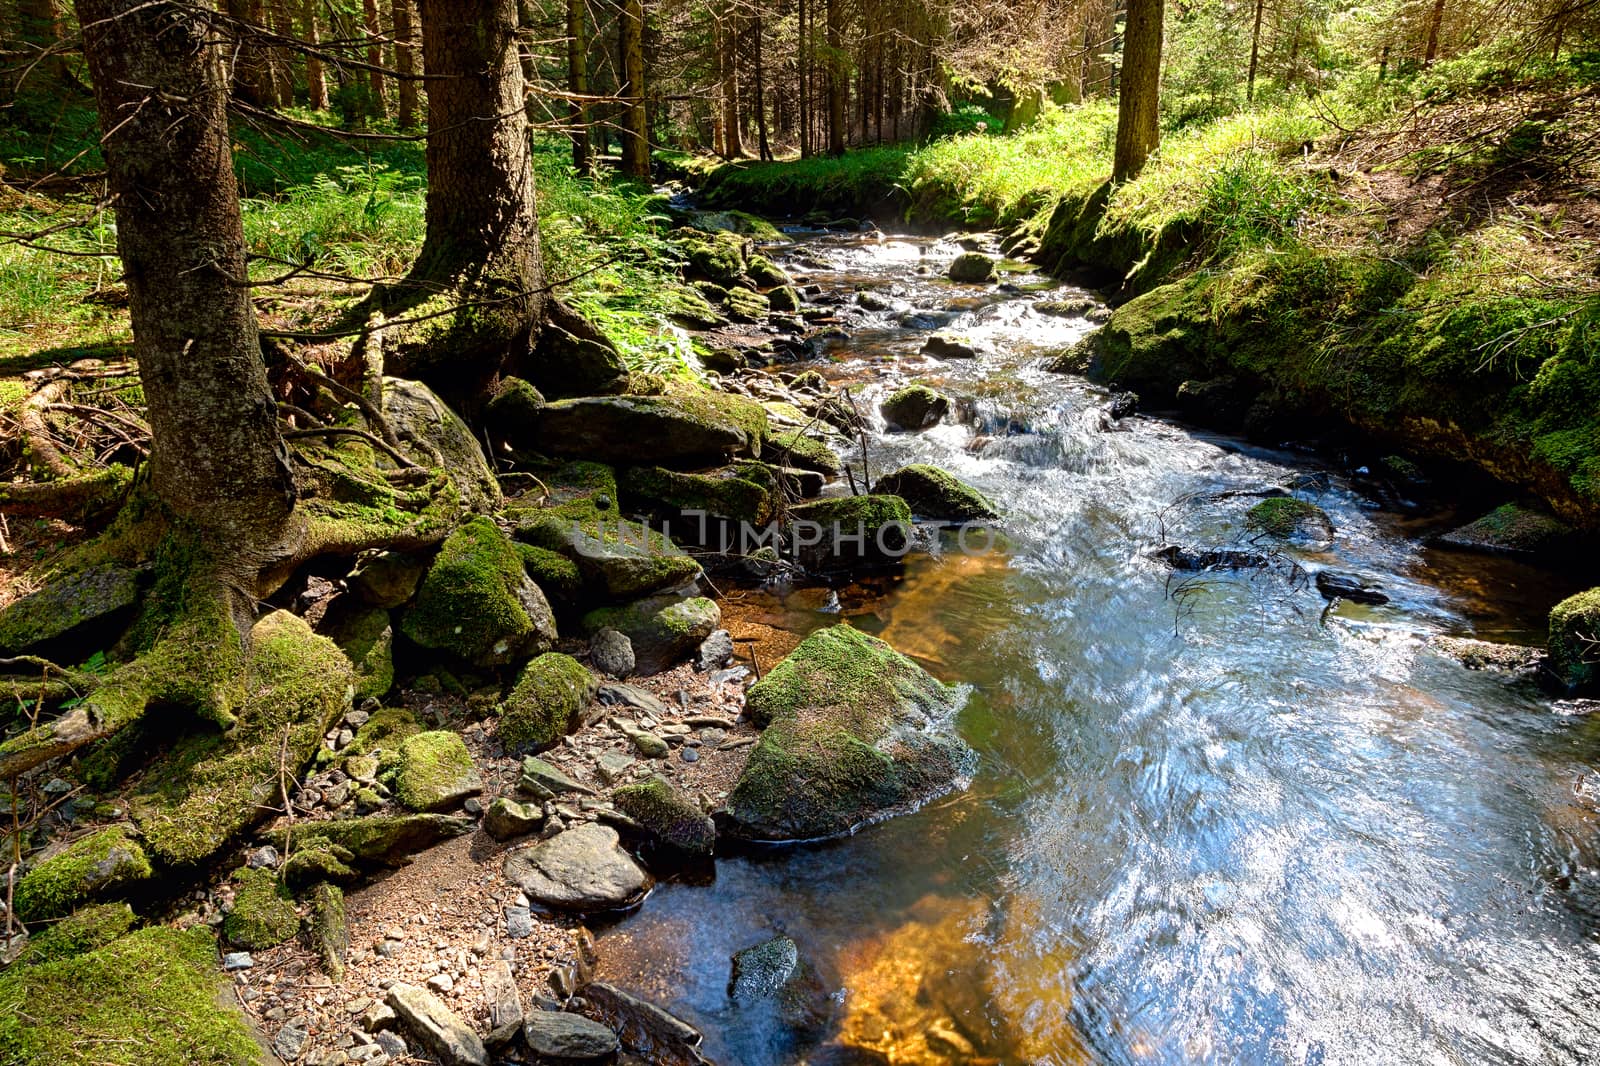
(636, 133)
(245, 57)
(1255, 53)
(481, 248)
(39, 28)
(406, 46)
(1139, 101)
(373, 29)
(217, 460)
(803, 67)
(1435, 20)
(316, 77)
(578, 82)
(728, 63)
(763, 142)
(838, 78)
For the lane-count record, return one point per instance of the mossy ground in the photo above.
(262, 916)
(98, 864)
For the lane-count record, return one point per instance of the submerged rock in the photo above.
(913, 408)
(478, 602)
(661, 1037)
(775, 971)
(935, 493)
(854, 732)
(1490, 655)
(1575, 641)
(582, 869)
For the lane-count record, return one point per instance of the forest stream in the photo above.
(1217, 819)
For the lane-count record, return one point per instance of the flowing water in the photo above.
(1214, 823)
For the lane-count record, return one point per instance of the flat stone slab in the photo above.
(563, 1036)
(436, 1027)
(581, 869)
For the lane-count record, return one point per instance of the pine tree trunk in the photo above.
(39, 29)
(245, 58)
(763, 142)
(372, 26)
(838, 78)
(636, 133)
(217, 459)
(1435, 20)
(728, 62)
(1255, 53)
(1139, 102)
(406, 47)
(283, 60)
(316, 77)
(578, 82)
(803, 67)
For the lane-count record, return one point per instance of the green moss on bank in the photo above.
(262, 916)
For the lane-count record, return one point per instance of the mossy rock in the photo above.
(152, 998)
(669, 816)
(680, 426)
(315, 860)
(744, 492)
(617, 558)
(662, 629)
(555, 574)
(416, 413)
(973, 268)
(766, 274)
(854, 732)
(747, 306)
(210, 786)
(477, 601)
(843, 531)
(1575, 641)
(935, 493)
(1513, 529)
(94, 602)
(1286, 516)
(329, 929)
(79, 933)
(381, 840)
(719, 257)
(1153, 343)
(565, 365)
(914, 408)
(90, 868)
(546, 702)
(385, 728)
(796, 448)
(436, 772)
(692, 308)
(387, 578)
(785, 298)
(366, 637)
(262, 916)
(511, 408)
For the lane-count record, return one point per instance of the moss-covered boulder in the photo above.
(973, 268)
(784, 298)
(1153, 344)
(546, 702)
(90, 604)
(1574, 646)
(557, 576)
(935, 493)
(677, 427)
(378, 841)
(387, 578)
(436, 772)
(153, 998)
(420, 418)
(743, 492)
(844, 531)
(1512, 529)
(566, 365)
(744, 305)
(799, 449)
(663, 630)
(667, 815)
(1287, 517)
(366, 637)
(943, 345)
(854, 732)
(507, 818)
(718, 257)
(209, 786)
(511, 408)
(92, 867)
(316, 860)
(615, 558)
(262, 915)
(691, 309)
(477, 601)
(914, 407)
(766, 274)
(79, 933)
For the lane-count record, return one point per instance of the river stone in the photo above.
(436, 1027)
(854, 732)
(544, 780)
(744, 492)
(635, 697)
(1356, 589)
(582, 869)
(70, 606)
(568, 1037)
(611, 652)
(774, 971)
(650, 429)
(1514, 530)
(506, 818)
(715, 652)
(949, 346)
(935, 493)
(844, 531)
(747, 306)
(1573, 648)
(426, 423)
(386, 578)
(719, 258)
(913, 408)
(436, 772)
(973, 268)
(659, 1036)
(671, 817)
(1287, 517)
(478, 602)
(663, 629)
(565, 365)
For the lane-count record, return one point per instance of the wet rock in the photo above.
(436, 1027)
(797, 448)
(649, 429)
(95, 601)
(973, 268)
(1356, 589)
(669, 816)
(1490, 655)
(949, 346)
(1180, 557)
(544, 780)
(436, 772)
(611, 652)
(854, 732)
(1287, 517)
(1122, 405)
(934, 493)
(506, 819)
(546, 703)
(664, 630)
(568, 1037)
(913, 408)
(661, 1037)
(774, 971)
(582, 869)
(478, 602)
(845, 531)
(426, 423)
(716, 651)
(1574, 645)
(1513, 530)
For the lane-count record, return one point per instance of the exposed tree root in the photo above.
(84, 499)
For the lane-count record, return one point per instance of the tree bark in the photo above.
(216, 459)
(838, 79)
(728, 63)
(39, 28)
(406, 47)
(372, 27)
(763, 142)
(636, 132)
(1255, 53)
(246, 58)
(316, 77)
(1139, 100)
(578, 81)
(1435, 20)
